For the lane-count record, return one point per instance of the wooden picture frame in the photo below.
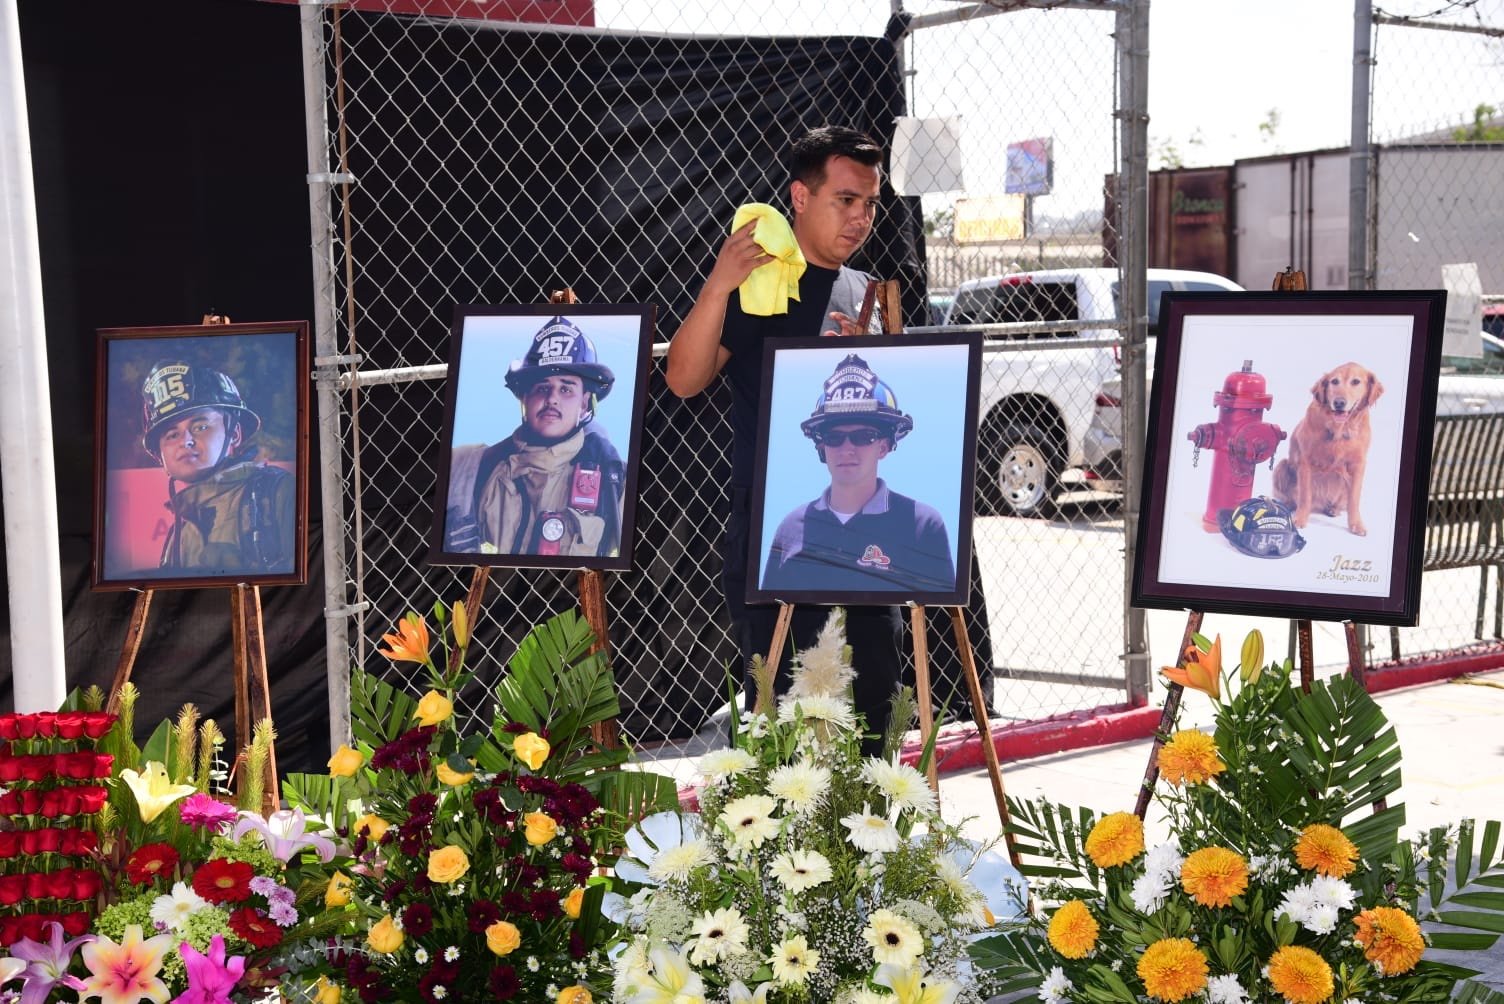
(911, 540)
(201, 456)
(483, 514)
(1289, 453)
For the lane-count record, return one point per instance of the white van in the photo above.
(1037, 400)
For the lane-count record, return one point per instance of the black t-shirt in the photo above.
(743, 336)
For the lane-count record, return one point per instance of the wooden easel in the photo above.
(248, 642)
(592, 592)
(1290, 280)
(885, 296)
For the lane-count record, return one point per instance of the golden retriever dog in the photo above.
(1323, 470)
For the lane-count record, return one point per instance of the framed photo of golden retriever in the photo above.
(1281, 475)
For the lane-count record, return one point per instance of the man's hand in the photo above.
(739, 256)
(847, 325)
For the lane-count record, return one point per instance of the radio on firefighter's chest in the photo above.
(585, 489)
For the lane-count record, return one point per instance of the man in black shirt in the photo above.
(836, 178)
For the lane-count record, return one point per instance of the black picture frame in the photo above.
(1302, 348)
(935, 380)
(482, 418)
(238, 512)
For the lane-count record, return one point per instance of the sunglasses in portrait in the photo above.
(856, 437)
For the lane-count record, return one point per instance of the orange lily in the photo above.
(1201, 670)
(410, 643)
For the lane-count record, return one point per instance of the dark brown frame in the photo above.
(1421, 313)
(223, 347)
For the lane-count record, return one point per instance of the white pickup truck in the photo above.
(1042, 374)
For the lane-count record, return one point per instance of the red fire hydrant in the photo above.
(1240, 438)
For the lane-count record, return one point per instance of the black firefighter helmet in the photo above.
(853, 394)
(173, 390)
(1261, 527)
(561, 347)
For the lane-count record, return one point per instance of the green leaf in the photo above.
(1464, 857)
(1487, 900)
(1474, 919)
(160, 746)
(1455, 941)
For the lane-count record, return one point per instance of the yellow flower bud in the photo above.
(325, 992)
(452, 777)
(433, 709)
(572, 903)
(1251, 663)
(461, 624)
(503, 938)
(574, 995)
(345, 762)
(447, 864)
(532, 749)
(373, 826)
(539, 828)
(337, 892)
(384, 937)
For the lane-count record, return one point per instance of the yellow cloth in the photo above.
(770, 287)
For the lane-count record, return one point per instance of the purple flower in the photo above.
(205, 812)
(283, 913)
(210, 977)
(47, 965)
(285, 833)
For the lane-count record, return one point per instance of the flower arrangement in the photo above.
(810, 873)
(1283, 877)
(473, 862)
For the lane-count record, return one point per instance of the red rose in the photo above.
(10, 769)
(59, 884)
(86, 884)
(70, 724)
(104, 764)
(10, 843)
(10, 804)
(8, 729)
(76, 923)
(35, 768)
(36, 886)
(77, 766)
(221, 881)
(97, 723)
(255, 927)
(54, 802)
(31, 802)
(149, 861)
(91, 798)
(45, 723)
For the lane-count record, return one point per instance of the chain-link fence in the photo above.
(459, 160)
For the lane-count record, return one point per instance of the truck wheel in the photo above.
(1019, 471)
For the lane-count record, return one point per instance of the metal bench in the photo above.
(1465, 507)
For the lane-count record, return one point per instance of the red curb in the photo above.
(1447, 667)
(960, 747)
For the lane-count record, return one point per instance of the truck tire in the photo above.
(1018, 471)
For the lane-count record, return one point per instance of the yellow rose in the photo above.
(532, 749)
(345, 762)
(373, 826)
(337, 892)
(433, 709)
(573, 901)
(574, 995)
(539, 828)
(384, 936)
(325, 992)
(451, 777)
(447, 864)
(503, 938)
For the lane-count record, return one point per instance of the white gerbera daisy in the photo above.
(894, 938)
(793, 960)
(902, 785)
(834, 710)
(678, 862)
(749, 820)
(719, 935)
(870, 834)
(802, 785)
(1055, 987)
(798, 871)
(173, 909)
(724, 763)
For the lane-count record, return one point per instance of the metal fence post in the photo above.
(1359, 268)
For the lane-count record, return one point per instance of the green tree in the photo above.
(940, 222)
(1482, 130)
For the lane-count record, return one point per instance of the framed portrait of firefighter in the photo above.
(201, 456)
(1289, 454)
(866, 450)
(542, 431)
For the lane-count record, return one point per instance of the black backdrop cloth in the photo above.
(169, 155)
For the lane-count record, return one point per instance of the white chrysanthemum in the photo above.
(749, 820)
(1298, 902)
(719, 935)
(825, 669)
(833, 710)
(870, 834)
(801, 785)
(793, 960)
(903, 786)
(894, 939)
(724, 763)
(678, 862)
(1334, 891)
(1321, 919)
(1164, 861)
(173, 909)
(1055, 987)
(1225, 989)
(1150, 891)
(798, 871)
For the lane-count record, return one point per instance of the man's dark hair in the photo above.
(809, 153)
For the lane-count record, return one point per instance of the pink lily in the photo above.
(210, 977)
(46, 965)
(285, 833)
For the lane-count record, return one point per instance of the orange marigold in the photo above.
(1391, 939)
(1190, 757)
(1325, 849)
(1116, 839)
(1073, 930)
(1172, 969)
(1214, 875)
(1299, 975)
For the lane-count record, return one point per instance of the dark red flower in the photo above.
(26, 727)
(151, 860)
(576, 945)
(70, 724)
(36, 885)
(91, 799)
(10, 843)
(254, 926)
(86, 884)
(221, 881)
(417, 919)
(577, 866)
(76, 923)
(97, 723)
(481, 915)
(8, 728)
(545, 904)
(440, 974)
(504, 983)
(12, 889)
(59, 884)
(10, 769)
(10, 803)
